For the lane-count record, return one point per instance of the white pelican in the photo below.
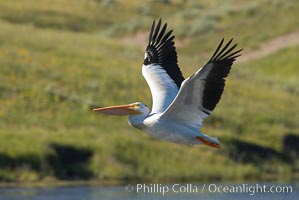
(178, 105)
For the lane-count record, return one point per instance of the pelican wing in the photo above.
(160, 68)
(200, 93)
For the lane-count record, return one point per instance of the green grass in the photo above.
(60, 59)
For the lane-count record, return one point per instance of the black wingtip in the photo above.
(226, 52)
(151, 32)
(161, 51)
(160, 21)
(217, 49)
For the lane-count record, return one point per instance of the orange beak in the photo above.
(130, 109)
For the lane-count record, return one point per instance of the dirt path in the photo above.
(266, 48)
(141, 38)
(271, 46)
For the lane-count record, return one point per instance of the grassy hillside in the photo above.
(59, 59)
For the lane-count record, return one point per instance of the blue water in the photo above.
(152, 191)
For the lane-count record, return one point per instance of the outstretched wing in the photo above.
(160, 68)
(200, 93)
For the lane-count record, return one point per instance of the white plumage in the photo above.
(179, 105)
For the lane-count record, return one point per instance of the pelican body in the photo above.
(179, 105)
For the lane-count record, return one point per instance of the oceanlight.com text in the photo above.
(250, 189)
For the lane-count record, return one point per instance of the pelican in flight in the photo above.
(179, 105)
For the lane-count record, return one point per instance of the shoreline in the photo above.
(116, 182)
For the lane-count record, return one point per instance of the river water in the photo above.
(264, 191)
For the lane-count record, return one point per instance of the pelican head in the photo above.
(136, 108)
